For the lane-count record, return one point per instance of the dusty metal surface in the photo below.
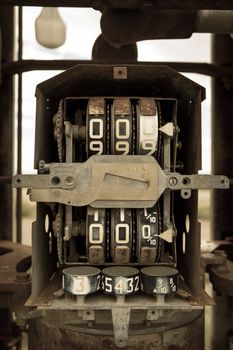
(222, 278)
(120, 321)
(180, 338)
(10, 256)
(15, 281)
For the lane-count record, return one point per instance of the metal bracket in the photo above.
(88, 315)
(154, 314)
(120, 320)
(111, 182)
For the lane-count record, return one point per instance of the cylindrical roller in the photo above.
(159, 280)
(81, 280)
(120, 280)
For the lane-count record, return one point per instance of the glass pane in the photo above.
(83, 28)
(30, 80)
(195, 49)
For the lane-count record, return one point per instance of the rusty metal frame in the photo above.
(129, 4)
(22, 66)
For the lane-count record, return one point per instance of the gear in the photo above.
(58, 230)
(58, 130)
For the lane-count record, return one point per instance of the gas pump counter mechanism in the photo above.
(118, 160)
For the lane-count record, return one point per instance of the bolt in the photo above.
(22, 276)
(69, 180)
(41, 166)
(173, 181)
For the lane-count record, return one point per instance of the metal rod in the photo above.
(217, 71)
(19, 129)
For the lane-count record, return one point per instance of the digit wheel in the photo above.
(81, 280)
(159, 280)
(120, 280)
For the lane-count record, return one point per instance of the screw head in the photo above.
(173, 181)
(69, 180)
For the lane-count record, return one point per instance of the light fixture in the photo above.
(50, 29)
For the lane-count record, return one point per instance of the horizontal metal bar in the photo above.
(111, 182)
(177, 182)
(168, 4)
(174, 182)
(216, 71)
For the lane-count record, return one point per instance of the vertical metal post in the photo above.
(6, 143)
(6, 119)
(222, 163)
(19, 129)
(222, 137)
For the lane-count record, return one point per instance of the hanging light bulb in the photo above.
(50, 29)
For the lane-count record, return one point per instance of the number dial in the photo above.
(121, 235)
(148, 235)
(96, 235)
(121, 122)
(81, 280)
(147, 121)
(120, 280)
(161, 280)
(96, 126)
